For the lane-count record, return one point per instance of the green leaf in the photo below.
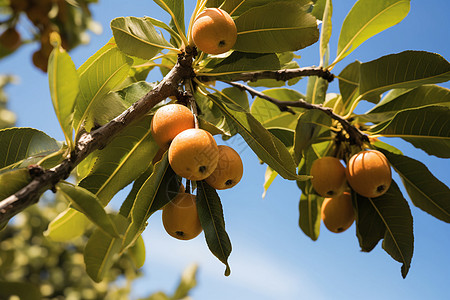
(426, 191)
(268, 148)
(427, 128)
(123, 160)
(67, 226)
(325, 33)
(276, 27)
(21, 290)
(310, 125)
(175, 37)
(97, 78)
(127, 204)
(366, 19)
(63, 82)
(137, 253)
(239, 62)
(422, 96)
(408, 69)
(19, 144)
(394, 213)
(269, 115)
(349, 85)
(137, 37)
(269, 177)
(176, 10)
(161, 187)
(13, 181)
(211, 217)
(237, 96)
(309, 207)
(316, 90)
(286, 136)
(87, 203)
(238, 7)
(102, 250)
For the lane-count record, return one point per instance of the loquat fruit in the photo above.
(229, 169)
(337, 213)
(193, 154)
(214, 31)
(168, 122)
(328, 176)
(180, 217)
(10, 39)
(369, 173)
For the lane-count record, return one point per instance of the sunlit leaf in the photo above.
(309, 207)
(137, 37)
(97, 78)
(422, 96)
(176, 10)
(427, 128)
(87, 203)
(425, 190)
(276, 27)
(366, 19)
(211, 217)
(13, 181)
(19, 143)
(137, 253)
(269, 177)
(187, 283)
(408, 69)
(349, 84)
(63, 83)
(67, 226)
(102, 250)
(325, 33)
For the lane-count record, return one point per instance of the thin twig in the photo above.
(355, 135)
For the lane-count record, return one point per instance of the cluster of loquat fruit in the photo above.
(194, 155)
(368, 173)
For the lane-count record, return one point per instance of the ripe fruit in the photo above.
(337, 213)
(328, 176)
(214, 31)
(169, 121)
(10, 39)
(228, 171)
(369, 173)
(180, 217)
(193, 154)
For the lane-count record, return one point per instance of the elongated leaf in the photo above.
(126, 157)
(63, 82)
(316, 90)
(310, 125)
(325, 33)
(239, 62)
(13, 181)
(425, 190)
(137, 37)
(309, 207)
(126, 206)
(370, 228)
(176, 10)
(349, 85)
(102, 250)
(18, 144)
(408, 69)
(276, 27)
(237, 7)
(422, 96)
(87, 203)
(269, 177)
(210, 213)
(366, 19)
(156, 192)
(67, 226)
(175, 37)
(427, 128)
(98, 77)
(394, 213)
(188, 282)
(21, 290)
(270, 115)
(268, 148)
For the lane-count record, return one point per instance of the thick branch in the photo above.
(96, 139)
(355, 135)
(280, 75)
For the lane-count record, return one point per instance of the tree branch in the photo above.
(280, 75)
(97, 139)
(355, 135)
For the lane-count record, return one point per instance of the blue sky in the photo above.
(271, 257)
